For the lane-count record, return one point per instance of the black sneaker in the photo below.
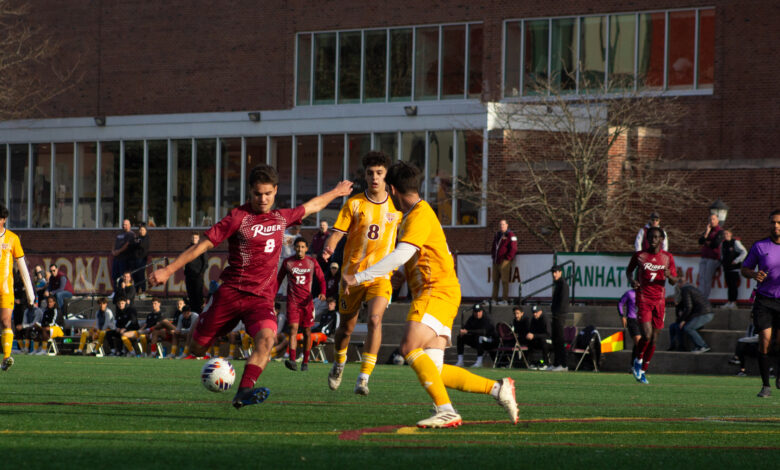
(741, 373)
(304, 367)
(250, 396)
(765, 392)
(292, 365)
(777, 382)
(735, 361)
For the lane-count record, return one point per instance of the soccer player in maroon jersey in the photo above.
(254, 233)
(300, 271)
(656, 266)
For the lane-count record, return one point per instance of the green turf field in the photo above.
(69, 412)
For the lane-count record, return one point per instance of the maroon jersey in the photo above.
(300, 274)
(254, 247)
(652, 273)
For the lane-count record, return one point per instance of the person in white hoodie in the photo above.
(732, 253)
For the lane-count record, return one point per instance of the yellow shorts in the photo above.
(350, 303)
(56, 332)
(6, 301)
(435, 313)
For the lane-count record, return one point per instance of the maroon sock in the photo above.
(291, 353)
(250, 375)
(306, 355)
(640, 350)
(648, 355)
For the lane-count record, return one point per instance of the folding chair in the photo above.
(508, 345)
(570, 336)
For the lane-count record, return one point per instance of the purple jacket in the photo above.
(627, 304)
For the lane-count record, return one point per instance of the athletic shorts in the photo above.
(435, 313)
(350, 304)
(6, 301)
(633, 327)
(651, 310)
(302, 315)
(766, 313)
(228, 306)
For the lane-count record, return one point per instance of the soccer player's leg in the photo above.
(378, 295)
(292, 346)
(260, 323)
(307, 320)
(7, 335)
(349, 304)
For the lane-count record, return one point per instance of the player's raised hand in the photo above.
(158, 276)
(344, 188)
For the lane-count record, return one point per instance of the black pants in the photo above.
(537, 344)
(194, 286)
(139, 275)
(559, 345)
(732, 281)
(473, 341)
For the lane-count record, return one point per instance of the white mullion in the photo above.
(293, 170)
(387, 65)
(427, 157)
(372, 141)
(483, 204)
(30, 180)
(319, 172)
(145, 195)
(666, 50)
(522, 57)
(439, 65)
(467, 65)
(121, 182)
(338, 65)
(242, 185)
(362, 68)
(607, 55)
(98, 186)
(169, 200)
(193, 179)
(414, 54)
(217, 180)
(697, 19)
(549, 55)
(454, 203)
(636, 50)
(54, 187)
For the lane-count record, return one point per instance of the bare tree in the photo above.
(581, 173)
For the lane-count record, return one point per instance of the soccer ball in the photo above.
(218, 375)
(398, 359)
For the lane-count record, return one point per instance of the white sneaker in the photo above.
(441, 419)
(460, 363)
(361, 387)
(40, 352)
(334, 376)
(502, 302)
(478, 363)
(506, 398)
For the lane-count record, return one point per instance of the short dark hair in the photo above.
(156, 299)
(51, 297)
(376, 158)
(102, 301)
(186, 308)
(404, 177)
(121, 298)
(330, 299)
(299, 240)
(658, 229)
(3, 211)
(774, 212)
(263, 174)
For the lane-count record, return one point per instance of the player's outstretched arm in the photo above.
(330, 244)
(318, 203)
(28, 287)
(161, 275)
(402, 253)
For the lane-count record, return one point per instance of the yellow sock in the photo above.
(26, 345)
(428, 375)
(83, 340)
(341, 356)
(368, 363)
(186, 350)
(232, 350)
(215, 351)
(8, 342)
(127, 343)
(101, 337)
(245, 341)
(144, 342)
(465, 381)
(174, 350)
(37, 345)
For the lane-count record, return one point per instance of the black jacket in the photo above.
(197, 266)
(480, 326)
(560, 298)
(127, 318)
(327, 324)
(539, 327)
(522, 327)
(692, 304)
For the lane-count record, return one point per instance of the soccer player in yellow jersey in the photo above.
(430, 273)
(10, 250)
(369, 220)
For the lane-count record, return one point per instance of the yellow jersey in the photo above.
(10, 249)
(431, 271)
(371, 229)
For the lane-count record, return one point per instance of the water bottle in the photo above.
(67, 341)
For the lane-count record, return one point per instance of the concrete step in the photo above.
(665, 362)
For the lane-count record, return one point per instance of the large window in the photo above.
(230, 176)
(63, 188)
(157, 195)
(397, 64)
(611, 53)
(205, 179)
(19, 177)
(134, 181)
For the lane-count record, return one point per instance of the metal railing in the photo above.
(521, 298)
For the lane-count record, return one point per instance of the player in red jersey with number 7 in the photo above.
(254, 233)
(656, 266)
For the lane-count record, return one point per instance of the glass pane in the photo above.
(134, 181)
(158, 184)
(706, 48)
(281, 159)
(535, 61)
(400, 64)
(426, 64)
(306, 174)
(349, 67)
(206, 175)
(86, 162)
(453, 61)
(255, 152)
(358, 145)
(304, 69)
(3, 163)
(42, 185)
(440, 153)
(109, 180)
(387, 143)
(414, 150)
(230, 175)
(375, 59)
(181, 181)
(332, 172)
(592, 53)
(63, 188)
(622, 29)
(18, 186)
(682, 34)
(469, 172)
(324, 68)
(512, 58)
(650, 71)
(563, 61)
(476, 44)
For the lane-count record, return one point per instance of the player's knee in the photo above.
(374, 321)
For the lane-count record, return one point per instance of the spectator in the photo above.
(40, 282)
(641, 242)
(288, 240)
(59, 286)
(122, 252)
(532, 333)
(627, 311)
(318, 240)
(328, 319)
(560, 308)
(693, 312)
(746, 346)
(126, 321)
(479, 333)
(710, 241)
(503, 253)
(125, 289)
(140, 256)
(332, 278)
(732, 253)
(104, 323)
(152, 328)
(48, 326)
(26, 330)
(183, 332)
(193, 277)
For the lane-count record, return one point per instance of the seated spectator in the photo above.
(327, 321)
(170, 325)
(479, 333)
(59, 286)
(693, 312)
(104, 323)
(39, 281)
(152, 328)
(126, 321)
(26, 332)
(627, 311)
(183, 332)
(125, 289)
(48, 326)
(746, 346)
(532, 333)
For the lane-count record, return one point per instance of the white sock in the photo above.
(460, 357)
(447, 407)
(437, 356)
(362, 376)
(494, 390)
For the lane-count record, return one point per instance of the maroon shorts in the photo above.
(228, 306)
(651, 310)
(303, 315)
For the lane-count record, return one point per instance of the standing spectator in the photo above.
(732, 253)
(479, 333)
(503, 252)
(332, 278)
(765, 255)
(627, 311)
(59, 286)
(193, 277)
(122, 252)
(710, 254)
(125, 290)
(40, 281)
(140, 255)
(693, 312)
(641, 242)
(559, 308)
(318, 240)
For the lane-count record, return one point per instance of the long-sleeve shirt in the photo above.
(521, 327)
(32, 316)
(642, 243)
(732, 254)
(627, 304)
(185, 324)
(59, 283)
(710, 245)
(197, 266)
(539, 327)
(104, 320)
(480, 326)
(504, 247)
(692, 304)
(560, 298)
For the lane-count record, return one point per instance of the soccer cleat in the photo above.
(643, 379)
(637, 369)
(506, 398)
(7, 363)
(777, 382)
(334, 376)
(250, 396)
(188, 357)
(292, 365)
(304, 367)
(361, 387)
(765, 392)
(442, 419)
